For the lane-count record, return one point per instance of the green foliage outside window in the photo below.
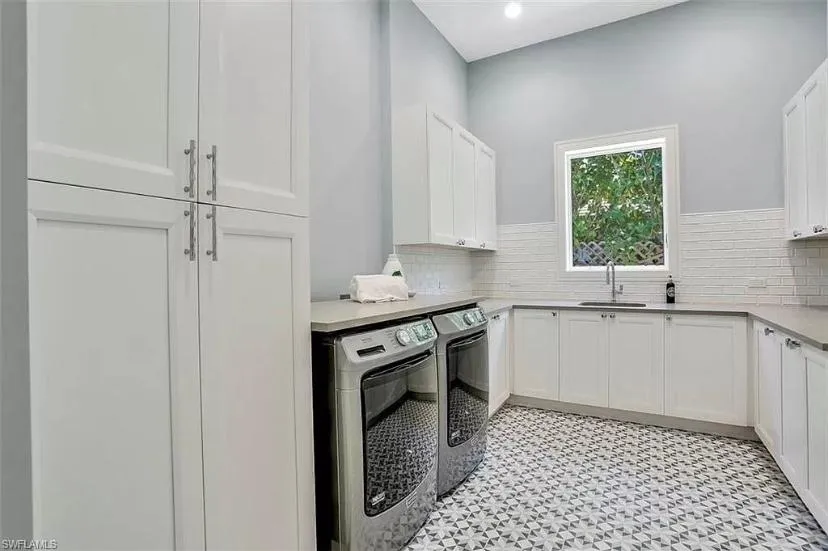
(618, 209)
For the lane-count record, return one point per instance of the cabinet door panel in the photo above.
(818, 434)
(463, 182)
(255, 340)
(794, 416)
(769, 388)
(498, 360)
(116, 432)
(796, 194)
(584, 348)
(816, 149)
(113, 94)
(535, 371)
(441, 192)
(706, 368)
(250, 82)
(636, 356)
(485, 210)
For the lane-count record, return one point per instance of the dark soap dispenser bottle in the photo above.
(671, 290)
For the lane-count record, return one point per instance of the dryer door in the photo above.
(467, 360)
(400, 430)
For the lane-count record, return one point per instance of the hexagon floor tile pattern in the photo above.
(559, 482)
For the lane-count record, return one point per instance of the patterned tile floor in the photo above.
(554, 481)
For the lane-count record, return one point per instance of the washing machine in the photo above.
(463, 382)
(376, 455)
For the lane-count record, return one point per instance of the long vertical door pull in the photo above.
(191, 251)
(213, 157)
(190, 151)
(214, 251)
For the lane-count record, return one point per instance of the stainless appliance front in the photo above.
(385, 442)
(463, 379)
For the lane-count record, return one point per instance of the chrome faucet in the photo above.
(611, 279)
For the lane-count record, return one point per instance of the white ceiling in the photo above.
(478, 28)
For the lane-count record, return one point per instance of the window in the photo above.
(618, 201)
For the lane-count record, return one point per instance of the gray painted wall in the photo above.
(425, 68)
(367, 57)
(721, 70)
(347, 144)
(15, 422)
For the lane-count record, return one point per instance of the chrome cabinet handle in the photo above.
(191, 153)
(819, 228)
(612, 316)
(790, 343)
(603, 316)
(496, 317)
(191, 252)
(483, 245)
(668, 317)
(213, 156)
(213, 253)
(769, 331)
(554, 314)
(797, 233)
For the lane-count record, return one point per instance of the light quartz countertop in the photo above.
(339, 315)
(809, 324)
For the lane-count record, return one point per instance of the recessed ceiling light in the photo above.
(512, 10)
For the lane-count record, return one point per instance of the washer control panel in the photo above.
(466, 319)
(389, 342)
(416, 333)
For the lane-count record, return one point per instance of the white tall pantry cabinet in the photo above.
(169, 275)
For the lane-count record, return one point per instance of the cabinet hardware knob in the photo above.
(797, 233)
(612, 316)
(668, 317)
(483, 245)
(603, 316)
(794, 344)
(819, 228)
(554, 314)
(769, 331)
(496, 317)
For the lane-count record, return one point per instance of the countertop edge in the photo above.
(501, 305)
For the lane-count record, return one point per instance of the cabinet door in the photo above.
(706, 368)
(255, 341)
(636, 362)
(535, 372)
(251, 96)
(464, 183)
(817, 374)
(113, 94)
(794, 416)
(485, 209)
(440, 142)
(814, 99)
(498, 360)
(116, 426)
(796, 194)
(768, 387)
(584, 348)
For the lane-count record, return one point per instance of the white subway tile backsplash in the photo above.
(739, 256)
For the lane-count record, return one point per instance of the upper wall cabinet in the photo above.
(185, 100)
(443, 183)
(805, 125)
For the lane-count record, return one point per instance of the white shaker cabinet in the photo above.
(113, 94)
(116, 419)
(255, 344)
(252, 104)
(817, 374)
(535, 368)
(805, 132)
(636, 362)
(500, 357)
(705, 375)
(443, 181)
(794, 450)
(768, 385)
(584, 357)
(485, 199)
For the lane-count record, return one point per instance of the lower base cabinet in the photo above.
(794, 450)
(636, 362)
(500, 360)
(705, 374)
(584, 356)
(535, 368)
(816, 496)
(768, 388)
(145, 348)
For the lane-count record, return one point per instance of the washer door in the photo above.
(400, 430)
(467, 362)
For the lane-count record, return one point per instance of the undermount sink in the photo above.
(615, 304)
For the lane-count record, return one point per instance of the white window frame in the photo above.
(667, 137)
